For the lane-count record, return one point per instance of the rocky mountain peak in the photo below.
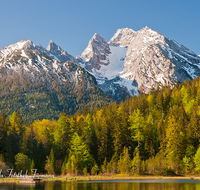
(53, 46)
(97, 36)
(148, 34)
(58, 52)
(15, 48)
(97, 40)
(154, 60)
(122, 37)
(28, 44)
(96, 52)
(138, 61)
(148, 30)
(18, 46)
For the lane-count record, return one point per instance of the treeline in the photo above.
(158, 133)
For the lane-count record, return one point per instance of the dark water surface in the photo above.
(147, 184)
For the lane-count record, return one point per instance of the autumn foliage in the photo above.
(156, 133)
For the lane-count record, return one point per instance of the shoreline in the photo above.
(107, 178)
(101, 178)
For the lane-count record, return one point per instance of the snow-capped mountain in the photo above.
(96, 52)
(123, 37)
(26, 47)
(131, 62)
(45, 79)
(106, 61)
(155, 60)
(138, 61)
(35, 64)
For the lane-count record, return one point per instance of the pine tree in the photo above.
(79, 157)
(121, 131)
(50, 163)
(94, 169)
(197, 160)
(62, 136)
(104, 166)
(174, 143)
(32, 166)
(89, 136)
(136, 162)
(137, 124)
(3, 133)
(124, 163)
(14, 136)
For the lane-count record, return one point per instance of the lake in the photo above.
(142, 184)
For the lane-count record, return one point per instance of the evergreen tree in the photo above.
(104, 166)
(94, 169)
(124, 163)
(22, 162)
(136, 162)
(3, 133)
(89, 136)
(14, 136)
(122, 133)
(197, 160)
(62, 136)
(32, 166)
(137, 124)
(79, 157)
(50, 163)
(174, 143)
(113, 164)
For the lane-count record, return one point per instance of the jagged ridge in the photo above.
(150, 60)
(131, 62)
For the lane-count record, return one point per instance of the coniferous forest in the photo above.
(156, 133)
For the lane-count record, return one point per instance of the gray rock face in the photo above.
(105, 61)
(152, 60)
(96, 52)
(57, 51)
(123, 37)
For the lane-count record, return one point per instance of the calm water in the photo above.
(158, 184)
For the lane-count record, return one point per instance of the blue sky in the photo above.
(71, 24)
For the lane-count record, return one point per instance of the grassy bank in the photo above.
(9, 180)
(101, 178)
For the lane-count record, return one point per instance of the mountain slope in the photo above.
(105, 61)
(123, 37)
(154, 60)
(133, 62)
(59, 53)
(36, 81)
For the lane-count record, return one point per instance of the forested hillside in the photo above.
(156, 133)
(41, 85)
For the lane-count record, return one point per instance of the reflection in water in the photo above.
(109, 185)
